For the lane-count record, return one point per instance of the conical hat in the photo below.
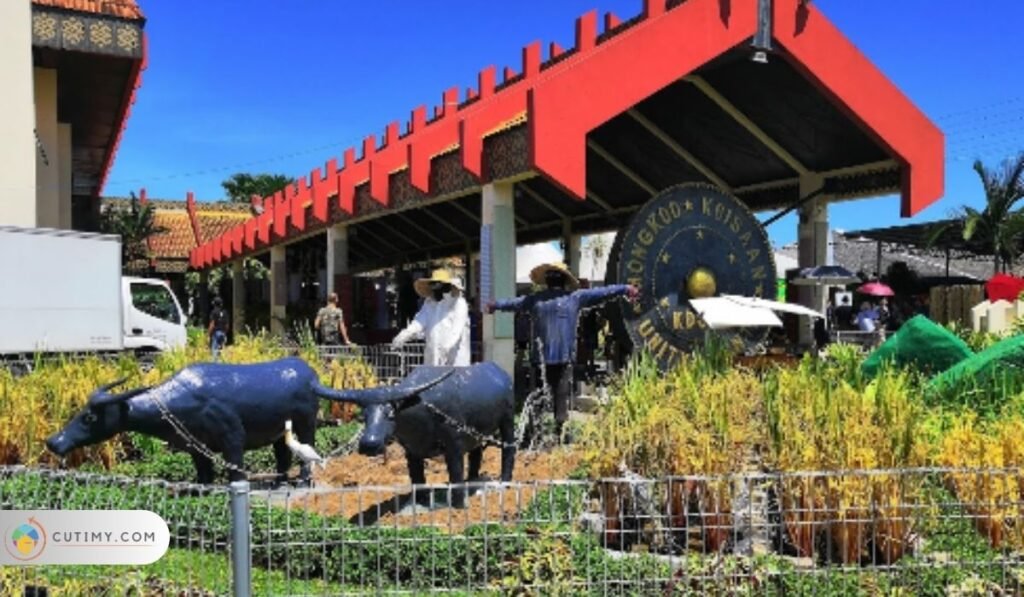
(422, 286)
(537, 274)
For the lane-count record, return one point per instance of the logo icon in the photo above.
(26, 541)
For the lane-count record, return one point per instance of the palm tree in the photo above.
(242, 186)
(998, 228)
(135, 226)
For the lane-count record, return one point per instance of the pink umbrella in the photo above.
(875, 289)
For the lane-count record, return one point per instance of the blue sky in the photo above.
(281, 86)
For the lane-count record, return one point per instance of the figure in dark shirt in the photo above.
(217, 331)
(555, 312)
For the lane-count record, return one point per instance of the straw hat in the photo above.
(443, 276)
(537, 274)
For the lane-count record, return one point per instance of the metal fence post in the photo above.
(241, 551)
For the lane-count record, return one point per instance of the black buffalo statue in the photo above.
(227, 408)
(460, 414)
(233, 408)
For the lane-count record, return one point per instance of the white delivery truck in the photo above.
(61, 291)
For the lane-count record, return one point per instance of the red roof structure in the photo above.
(99, 50)
(665, 97)
(124, 9)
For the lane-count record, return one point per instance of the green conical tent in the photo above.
(1002, 363)
(919, 343)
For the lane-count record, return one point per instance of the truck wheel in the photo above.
(146, 358)
(19, 368)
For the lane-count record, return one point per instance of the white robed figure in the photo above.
(442, 321)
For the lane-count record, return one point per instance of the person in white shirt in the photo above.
(442, 321)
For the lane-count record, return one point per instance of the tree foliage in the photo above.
(135, 226)
(998, 228)
(242, 186)
(252, 269)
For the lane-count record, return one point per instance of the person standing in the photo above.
(867, 318)
(330, 323)
(555, 312)
(217, 329)
(442, 321)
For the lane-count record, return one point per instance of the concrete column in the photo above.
(498, 216)
(17, 118)
(337, 255)
(812, 248)
(48, 171)
(278, 290)
(64, 150)
(238, 297)
(572, 249)
(204, 298)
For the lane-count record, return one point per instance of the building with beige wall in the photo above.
(70, 70)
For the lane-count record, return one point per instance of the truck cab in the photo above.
(153, 319)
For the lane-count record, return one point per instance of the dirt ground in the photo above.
(376, 490)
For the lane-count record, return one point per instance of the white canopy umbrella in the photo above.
(732, 311)
(721, 313)
(774, 305)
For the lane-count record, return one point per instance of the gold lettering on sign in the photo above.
(753, 254)
(656, 344)
(646, 237)
(635, 266)
(652, 223)
(745, 238)
(722, 213)
(646, 328)
(677, 211)
(677, 321)
(759, 292)
(635, 281)
(760, 273)
(707, 205)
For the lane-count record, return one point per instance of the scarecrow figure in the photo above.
(443, 321)
(555, 313)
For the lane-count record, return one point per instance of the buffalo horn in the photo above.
(107, 398)
(379, 395)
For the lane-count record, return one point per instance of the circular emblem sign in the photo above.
(691, 241)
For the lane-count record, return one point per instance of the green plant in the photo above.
(544, 568)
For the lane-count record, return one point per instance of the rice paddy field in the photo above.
(871, 485)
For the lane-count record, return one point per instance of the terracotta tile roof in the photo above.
(124, 9)
(172, 204)
(213, 224)
(215, 218)
(178, 239)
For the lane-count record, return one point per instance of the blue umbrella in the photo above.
(826, 275)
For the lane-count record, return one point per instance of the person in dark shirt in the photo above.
(844, 312)
(555, 312)
(217, 330)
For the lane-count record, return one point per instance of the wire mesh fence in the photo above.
(390, 364)
(921, 531)
(197, 561)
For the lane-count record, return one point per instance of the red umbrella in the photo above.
(875, 289)
(1004, 287)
